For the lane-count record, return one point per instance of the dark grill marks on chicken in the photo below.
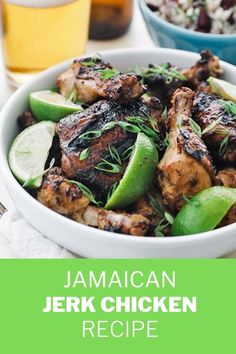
(159, 86)
(26, 119)
(227, 178)
(61, 196)
(186, 167)
(117, 221)
(58, 194)
(94, 118)
(91, 84)
(207, 110)
(207, 66)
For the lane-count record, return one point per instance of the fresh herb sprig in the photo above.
(127, 153)
(91, 62)
(112, 190)
(169, 72)
(107, 74)
(84, 154)
(229, 106)
(209, 129)
(107, 166)
(114, 154)
(86, 191)
(166, 141)
(223, 145)
(93, 134)
(163, 224)
(131, 128)
(166, 218)
(164, 114)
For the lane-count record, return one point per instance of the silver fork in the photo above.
(2, 209)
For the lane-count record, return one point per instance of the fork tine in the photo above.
(2, 209)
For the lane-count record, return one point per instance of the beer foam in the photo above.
(39, 3)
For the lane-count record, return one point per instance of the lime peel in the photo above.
(223, 88)
(50, 105)
(37, 141)
(204, 211)
(138, 175)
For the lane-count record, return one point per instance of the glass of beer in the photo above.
(41, 33)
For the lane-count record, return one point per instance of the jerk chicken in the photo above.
(97, 129)
(93, 79)
(186, 167)
(211, 110)
(207, 65)
(62, 196)
(163, 80)
(193, 130)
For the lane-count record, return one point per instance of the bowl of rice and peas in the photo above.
(193, 25)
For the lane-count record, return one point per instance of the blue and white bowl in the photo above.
(167, 35)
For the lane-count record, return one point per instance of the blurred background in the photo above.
(35, 38)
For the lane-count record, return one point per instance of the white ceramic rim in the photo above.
(10, 179)
(186, 30)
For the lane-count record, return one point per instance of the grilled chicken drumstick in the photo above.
(186, 167)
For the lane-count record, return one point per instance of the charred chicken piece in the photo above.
(61, 196)
(120, 222)
(26, 119)
(221, 139)
(163, 80)
(87, 130)
(227, 178)
(66, 198)
(186, 167)
(92, 80)
(145, 206)
(207, 66)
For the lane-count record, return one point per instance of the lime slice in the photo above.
(223, 88)
(138, 175)
(29, 152)
(204, 211)
(49, 105)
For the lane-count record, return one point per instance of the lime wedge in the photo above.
(49, 105)
(29, 152)
(138, 175)
(204, 211)
(223, 88)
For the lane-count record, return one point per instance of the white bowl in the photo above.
(87, 241)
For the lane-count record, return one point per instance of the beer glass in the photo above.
(41, 33)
